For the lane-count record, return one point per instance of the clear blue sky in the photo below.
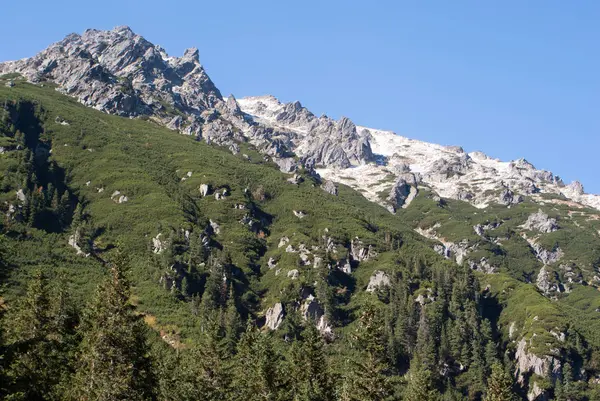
(512, 78)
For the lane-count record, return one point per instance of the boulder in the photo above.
(274, 316)
(158, 245)
(117, 197)
(21, 195)
(378, 280)
(216, 228)
(541, 222)
(283, 242)
(204, 189)
(299, 214)
(330, 187)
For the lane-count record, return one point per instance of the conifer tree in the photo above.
(499, 386)
(257, 369)
(38, 341)
(566, 389)
(368, 374)
(419, 387)
(233, 322)
(292, 326)
(211, 364)
(113, 361)
(185, 287)
(309, 368)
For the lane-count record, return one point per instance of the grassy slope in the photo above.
(146, 162)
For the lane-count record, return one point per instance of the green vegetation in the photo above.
(121, 281)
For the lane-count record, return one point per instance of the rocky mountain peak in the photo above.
(124, 29)
(120, 72)
(192, 54)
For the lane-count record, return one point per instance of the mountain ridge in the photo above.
(122, 73)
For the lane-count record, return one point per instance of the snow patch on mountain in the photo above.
(448, 170)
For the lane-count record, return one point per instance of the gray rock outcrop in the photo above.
(274, 316)
(541, 222)
(403, 191)
(508, 197)
(545, 256)
(330, 187)
(359, 252)
(158, 245)
(122, 73)
(74, 241)
(546, 282)
(528, 362)
(312, 310)
(378, 280)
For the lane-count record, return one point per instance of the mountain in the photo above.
(448, 170)
(121, 73)
(401, 269)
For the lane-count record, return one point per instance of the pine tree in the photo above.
(78, 218)
(425, 351)
(566, 390)
(233, 322)
(499, 386)
(325, 295)
(39, 343)
(211, 364)
(309, 368)
(368, 373)
(292, 326)
(257, 374)
(215, 290)
(113, 361)
(185, 287)
(63, 208)
(419, 387)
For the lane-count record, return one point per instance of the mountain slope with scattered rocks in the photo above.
(266, 214)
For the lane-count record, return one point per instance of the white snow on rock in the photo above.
(447, 170)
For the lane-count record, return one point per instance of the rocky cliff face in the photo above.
(122, 73)
(447, 170)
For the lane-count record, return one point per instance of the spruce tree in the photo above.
(232, 322)
(499, 385)
(257, 370)
(419, 387)
(113, 361)
(40, 337)
(309, 368)
(566, 390)
(368, 373)
(211, 364)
